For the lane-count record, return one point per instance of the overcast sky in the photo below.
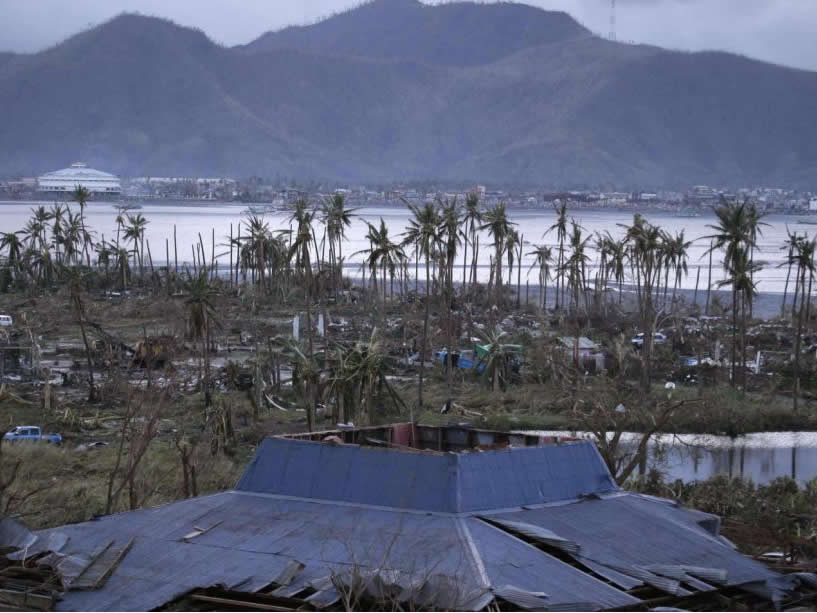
(781, 31)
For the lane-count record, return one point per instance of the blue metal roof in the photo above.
(413, 516)
(629, 531)
(427, 481)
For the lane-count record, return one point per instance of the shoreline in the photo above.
(671, 210)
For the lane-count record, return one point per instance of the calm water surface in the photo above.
(760, 456)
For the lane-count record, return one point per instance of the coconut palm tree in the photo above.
(543, 258)
(560, 226)
(575, 266)
(754, 217)
(135, 226)
(733, 234)
(803, 258)
(471, 221)
(255, 245)
(75, 289)
(790, 245)
(58, 212)
(739, 277)
(81, 196)
(424, 232)
(618, 260)
(512, 241)
(496, 222)
(358, 378)
(337, 218)
(677, 250)
(383, 254)
(201, 318)
(10, 243)
(497, 360)
(643, 242)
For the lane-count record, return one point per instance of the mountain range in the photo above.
(397, 90)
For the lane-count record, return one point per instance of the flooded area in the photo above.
(759, 456)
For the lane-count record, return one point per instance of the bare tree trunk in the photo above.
(709, 283)
(425, 339)
(796, 390)
(786, 287)
(697, 279)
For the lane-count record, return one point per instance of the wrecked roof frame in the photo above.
(318, 523)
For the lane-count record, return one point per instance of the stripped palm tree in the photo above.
(734, 235)
(337, 218)
(754, 217)
(803, 259)
(496, 222)
(81, 195)
(739, 278)
(423, 232)
(471, 220)
(543, 258)
(10, 243)
(560, 226)
(135, 226)
(201, 318)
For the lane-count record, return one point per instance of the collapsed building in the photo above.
(444, 518)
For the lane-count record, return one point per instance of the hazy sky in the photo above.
(781, 31)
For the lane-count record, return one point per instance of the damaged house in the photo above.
(407, 516)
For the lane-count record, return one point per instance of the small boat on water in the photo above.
(260, 209)
(807, 222)
(128, 206)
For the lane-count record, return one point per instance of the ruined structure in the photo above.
(447, 518)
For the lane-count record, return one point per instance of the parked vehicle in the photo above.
(5, 321)
(31, 433)
(657, 339)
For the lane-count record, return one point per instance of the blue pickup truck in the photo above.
(31, 433)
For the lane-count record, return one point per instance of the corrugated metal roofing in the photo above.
(630, 531)
(509, 560)
(410, 519)
(439, 482)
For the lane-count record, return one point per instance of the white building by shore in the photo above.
(66, 180)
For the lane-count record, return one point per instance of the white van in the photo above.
(5, 320)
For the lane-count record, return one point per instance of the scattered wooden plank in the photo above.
(27, 600)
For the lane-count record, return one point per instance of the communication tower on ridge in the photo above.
(613, 20)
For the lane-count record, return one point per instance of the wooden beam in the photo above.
(239, 604)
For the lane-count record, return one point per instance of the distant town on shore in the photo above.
(59, 184)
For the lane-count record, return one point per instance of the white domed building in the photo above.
(66, 180)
